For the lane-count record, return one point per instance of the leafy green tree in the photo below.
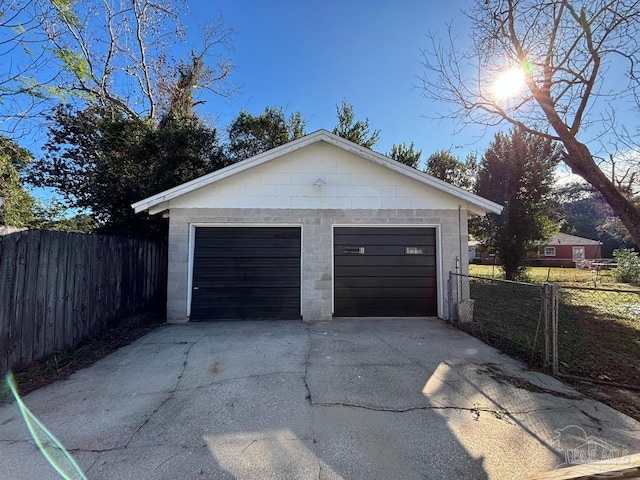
(581, 210)
(17, 204)
(516, 171)
(406, 154)
(101, 160)
(355, 131)
(445, 166)
(54, 216)
(250, 134)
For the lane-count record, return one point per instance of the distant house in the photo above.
(479, 254)
(562, 250)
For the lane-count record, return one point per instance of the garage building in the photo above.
(316, 229)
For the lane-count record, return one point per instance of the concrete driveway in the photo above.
(353, 399)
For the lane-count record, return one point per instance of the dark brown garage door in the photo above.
(246, 273)
(385, 272)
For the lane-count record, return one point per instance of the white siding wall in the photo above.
(287, 182)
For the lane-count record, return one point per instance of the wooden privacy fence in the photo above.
(58, 289)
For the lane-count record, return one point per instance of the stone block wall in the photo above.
(317, 250)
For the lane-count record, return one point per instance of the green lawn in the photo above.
(599, 334)
(550, 274)
(599, 328)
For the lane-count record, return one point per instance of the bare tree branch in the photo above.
(114, 54)
(565, 49)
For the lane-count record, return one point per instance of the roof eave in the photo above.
(159, 202)
(184, 188)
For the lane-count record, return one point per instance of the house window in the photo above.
(549, 251)
(477, 253)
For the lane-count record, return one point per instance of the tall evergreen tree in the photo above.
(517, 171)
(445, 166)
(406, 154)
(355, 131)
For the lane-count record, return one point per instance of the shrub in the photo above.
(628, 269)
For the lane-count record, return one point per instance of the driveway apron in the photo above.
(348, 399)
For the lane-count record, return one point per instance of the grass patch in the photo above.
(598, 328)
(506, 316)
(551, 275)
(599, 334)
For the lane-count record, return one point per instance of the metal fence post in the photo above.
(451, 310)
(546, 321)
(555, 294)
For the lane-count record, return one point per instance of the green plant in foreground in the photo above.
(628, 269)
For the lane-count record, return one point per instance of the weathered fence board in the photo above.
(58, 289)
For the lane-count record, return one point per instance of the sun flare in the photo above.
(508, 84)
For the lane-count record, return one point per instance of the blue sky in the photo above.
(310, 56)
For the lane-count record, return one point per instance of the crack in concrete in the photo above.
(593, 418)
(169, 396)
(95, 460)
(14, 442)
(306, 385)
(499, 414)
(97, 450)
(306, 366)
(399, 352)
(401, 410)
(475, 411)
(502, 377)
(165, 461)
(245, 448)
(542, 409)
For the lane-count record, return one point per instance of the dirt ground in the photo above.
(624, 400)
(62, 364)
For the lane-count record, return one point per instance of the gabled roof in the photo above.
(477, 204)
(566, 239)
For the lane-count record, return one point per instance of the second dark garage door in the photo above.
(246, 273)
(385, 271)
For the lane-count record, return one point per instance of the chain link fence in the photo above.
(579, 331)
(507, 315)
(599, 333)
